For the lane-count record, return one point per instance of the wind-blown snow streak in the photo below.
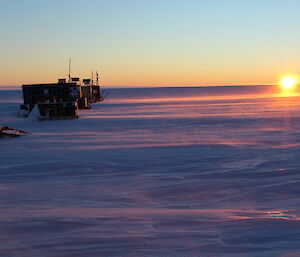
(155, 172)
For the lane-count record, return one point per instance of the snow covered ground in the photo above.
(161, 172)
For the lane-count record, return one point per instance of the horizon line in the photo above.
(175, 86)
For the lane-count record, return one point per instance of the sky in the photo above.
(144, 43)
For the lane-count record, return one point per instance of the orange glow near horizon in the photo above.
(145, 75)
(139, 74)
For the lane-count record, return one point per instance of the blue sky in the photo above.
(165, 42)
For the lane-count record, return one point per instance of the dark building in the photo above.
(60, 100)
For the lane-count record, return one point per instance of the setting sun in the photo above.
(288, 83)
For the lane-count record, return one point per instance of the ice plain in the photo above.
(160, 172)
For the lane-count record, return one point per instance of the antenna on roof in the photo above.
(69, 69)
(97, 78)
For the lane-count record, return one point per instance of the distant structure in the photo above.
(61, 100)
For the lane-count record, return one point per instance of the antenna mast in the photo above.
(97, 74)
(69, 69)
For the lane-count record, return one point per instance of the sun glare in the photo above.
(288, 83)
